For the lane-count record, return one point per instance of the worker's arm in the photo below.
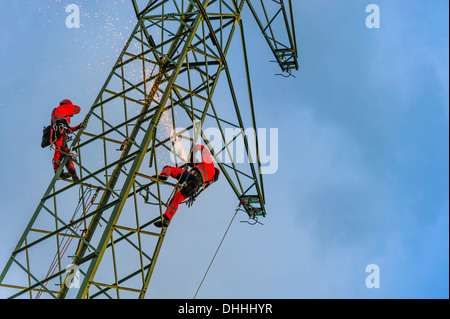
(206, 154)
(76, 128)
(77, 109)
(69, 109)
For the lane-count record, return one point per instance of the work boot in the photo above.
(164, 223)
(162, 177)
(65, 175)
(74, 175)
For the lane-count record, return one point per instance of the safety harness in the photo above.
(191, 199)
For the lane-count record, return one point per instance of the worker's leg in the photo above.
(71, 167)
(57, 157)
(193, 183)
(173, 205)
(69, 164)
(171, 171)
(170, 211)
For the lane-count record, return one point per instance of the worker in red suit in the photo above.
(201, 175)
(60, 130)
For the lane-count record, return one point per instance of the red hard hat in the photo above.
(65, 102)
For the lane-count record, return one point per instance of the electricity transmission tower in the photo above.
(165, 78)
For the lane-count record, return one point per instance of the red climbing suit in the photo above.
(198, 176)
(60, 129)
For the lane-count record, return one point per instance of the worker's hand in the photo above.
(82, 125)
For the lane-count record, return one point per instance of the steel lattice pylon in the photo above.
(164, 78)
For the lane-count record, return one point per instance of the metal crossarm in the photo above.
(273, 16)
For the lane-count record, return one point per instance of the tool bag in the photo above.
(46, 136)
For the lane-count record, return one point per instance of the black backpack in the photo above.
(46, 136)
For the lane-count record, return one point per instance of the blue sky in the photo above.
(363, 149)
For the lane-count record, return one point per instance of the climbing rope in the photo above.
(220, 244)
